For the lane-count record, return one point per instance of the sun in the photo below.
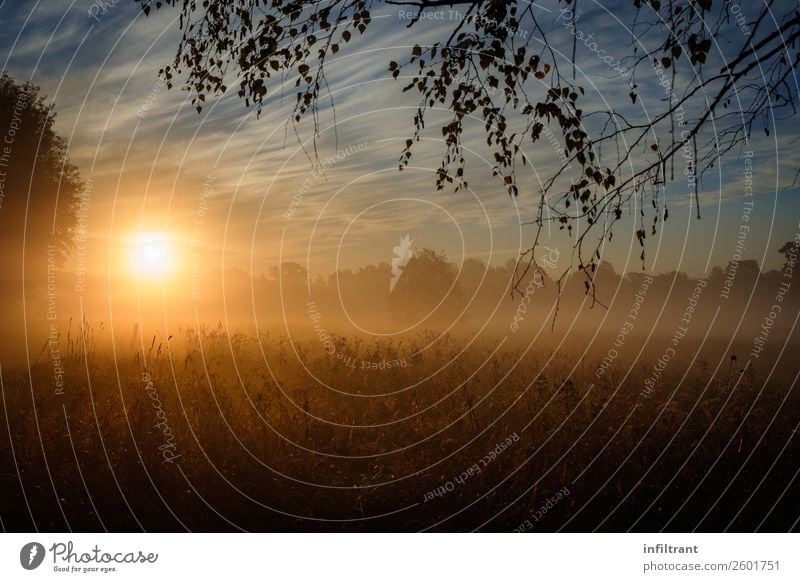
(153, 255)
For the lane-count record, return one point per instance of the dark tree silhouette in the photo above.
(38, 186)
(427, 287)
(720, 81)
(790, 251)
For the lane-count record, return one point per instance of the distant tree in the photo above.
(426, 286)
(747, 271)
(473, 274)
(718, 83)
(790, 251)
(38, 186)
(717, 275)
(289, 273)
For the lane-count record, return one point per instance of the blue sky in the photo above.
(148, 152)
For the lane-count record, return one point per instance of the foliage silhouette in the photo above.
(39, 186)
(498, 63)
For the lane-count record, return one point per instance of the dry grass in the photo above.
(263, 445)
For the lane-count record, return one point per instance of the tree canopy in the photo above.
(723, 77)
(38, 186)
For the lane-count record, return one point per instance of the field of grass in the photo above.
(212, 431)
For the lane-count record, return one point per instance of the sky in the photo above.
(230, 190)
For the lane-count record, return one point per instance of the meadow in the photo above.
(207, 430)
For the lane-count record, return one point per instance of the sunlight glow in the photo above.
(153, 256)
